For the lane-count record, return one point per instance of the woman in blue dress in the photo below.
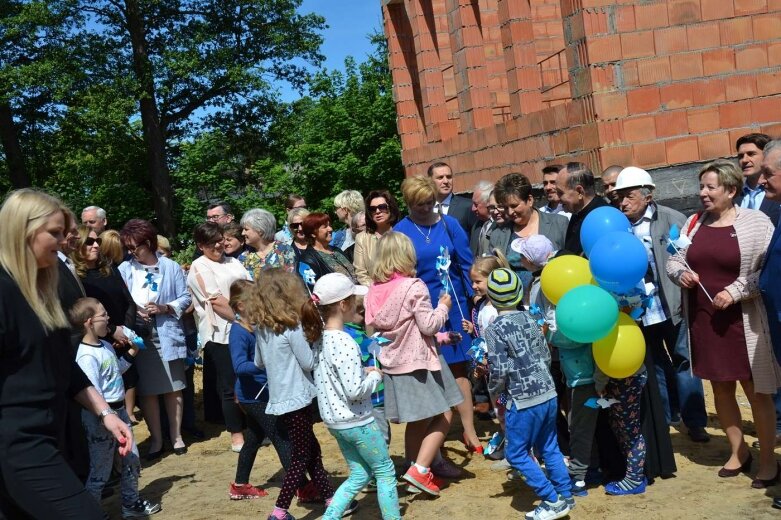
(430, 233)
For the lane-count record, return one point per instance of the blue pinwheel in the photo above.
(442, 266)
(677, 242)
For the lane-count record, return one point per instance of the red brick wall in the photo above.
(650, 83)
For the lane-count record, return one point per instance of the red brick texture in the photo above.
(506, 85)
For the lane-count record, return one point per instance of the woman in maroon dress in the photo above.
(729, 334)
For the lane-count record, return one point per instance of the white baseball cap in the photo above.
(335, 287)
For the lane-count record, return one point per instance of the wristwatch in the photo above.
(106, 412)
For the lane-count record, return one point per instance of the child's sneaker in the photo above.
(141, 509)
(626, 487)
(422, 481)
(500, 465)
(570, 501)
(350, 509)
(371, 487)
(288, 516)
(443, 468)
(549, 510)
(578, 488)
(245, 492)
(515, 476)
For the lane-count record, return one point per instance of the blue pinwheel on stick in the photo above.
(677, 242)
(443, 269)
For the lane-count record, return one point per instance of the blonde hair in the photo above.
(350, 199)
(728, 174)
(276, 299)
(394, 254)
(23, 214)
(417, 190)
(485, 264)
(111, 246)
(164, 245)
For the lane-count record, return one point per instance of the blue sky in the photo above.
(349, 22)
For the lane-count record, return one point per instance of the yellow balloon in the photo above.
(621, 353)
(562, 274)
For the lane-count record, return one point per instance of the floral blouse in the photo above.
(281, 255)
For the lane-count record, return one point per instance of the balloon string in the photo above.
(690, 270)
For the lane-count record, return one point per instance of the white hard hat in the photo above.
(634, 177)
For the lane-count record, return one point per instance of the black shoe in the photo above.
(755, 444)
(698, 434)
(776, 503)
(180, 451)
(195, 433)
(154, 455)
(761, 483)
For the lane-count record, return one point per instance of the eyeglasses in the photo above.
(215, 218)
(89, 242)
(132, 249)
(296, 225)
(491, 208)
(382, 208)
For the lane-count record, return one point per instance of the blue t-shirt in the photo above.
(250, 380)
(367, 360)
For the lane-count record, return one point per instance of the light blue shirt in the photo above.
(757, 194)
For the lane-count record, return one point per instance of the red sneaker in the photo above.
(246, 492)
(309, 494)
(422, 481)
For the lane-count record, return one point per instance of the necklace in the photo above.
(427, 236)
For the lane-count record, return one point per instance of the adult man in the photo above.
(575, 188)
(292, 202)
(478, 239)
(750, 148)
(448, 203)
(94, 218)
(549, 176)
(219, 212)
(680, 391)
(609, 177)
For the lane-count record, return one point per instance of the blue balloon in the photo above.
(598, 223)
(618, 262)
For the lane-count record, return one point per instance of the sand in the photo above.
(195, 486)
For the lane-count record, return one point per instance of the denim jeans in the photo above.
(102, 446)
(366, 454)
(681, 391)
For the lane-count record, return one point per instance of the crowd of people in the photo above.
(392, 318)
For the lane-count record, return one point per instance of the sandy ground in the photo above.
(195, 486)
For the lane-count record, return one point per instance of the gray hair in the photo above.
(99, 212)
(356, 217)
(580, 174)
(297, 212)
(350, 199)
(646, 191)
(484, 188)
(261, 221)
(775, 144)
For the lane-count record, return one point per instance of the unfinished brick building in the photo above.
(494, 86)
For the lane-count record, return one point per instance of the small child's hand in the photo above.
(468, 326)
(369, 370)
(446, 300)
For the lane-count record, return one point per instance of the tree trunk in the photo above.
(154, 135)
(12, 149)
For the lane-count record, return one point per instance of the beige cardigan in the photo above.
(754, 231)
(365, 245)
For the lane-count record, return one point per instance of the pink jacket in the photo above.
(401, 310)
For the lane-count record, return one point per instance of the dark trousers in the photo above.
(226, 383)
(259, 426)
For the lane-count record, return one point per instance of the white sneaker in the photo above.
(549, 510)
(500, 465)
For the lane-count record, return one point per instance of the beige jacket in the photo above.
(754, 231)
(365, 245)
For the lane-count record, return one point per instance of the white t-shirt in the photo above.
(104, 370)
(343, 389)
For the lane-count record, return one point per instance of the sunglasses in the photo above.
(89, 242)
(297, 225)
(383, 208)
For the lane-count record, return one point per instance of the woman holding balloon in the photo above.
(728, 332)
(444, 261)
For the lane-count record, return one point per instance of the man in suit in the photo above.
(575, 187)
(770, 180)
(750, 148)
(447, 202)
(94, 218)
(478, 239)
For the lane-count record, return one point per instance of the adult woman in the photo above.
(233, 241)
(158, 287)
(258, 229)
(429, 231)
(37, 369)
(319, 255)
(111, 246)
(729, 335)
(514, 192)
(382, 213)
(497, 211)
(209, 281)
(295, 223)
(347, 204)
(101, 280)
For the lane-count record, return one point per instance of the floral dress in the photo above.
(281, 255)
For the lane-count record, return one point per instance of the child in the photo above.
(99, 362)
(281, 348)
(252, 394)
(419, 388)
(344, 387)
(576, 363)
(518, 359)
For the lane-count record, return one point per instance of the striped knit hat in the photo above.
(505, 289)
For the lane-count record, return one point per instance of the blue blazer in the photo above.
(770, 288)
(173, 292)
